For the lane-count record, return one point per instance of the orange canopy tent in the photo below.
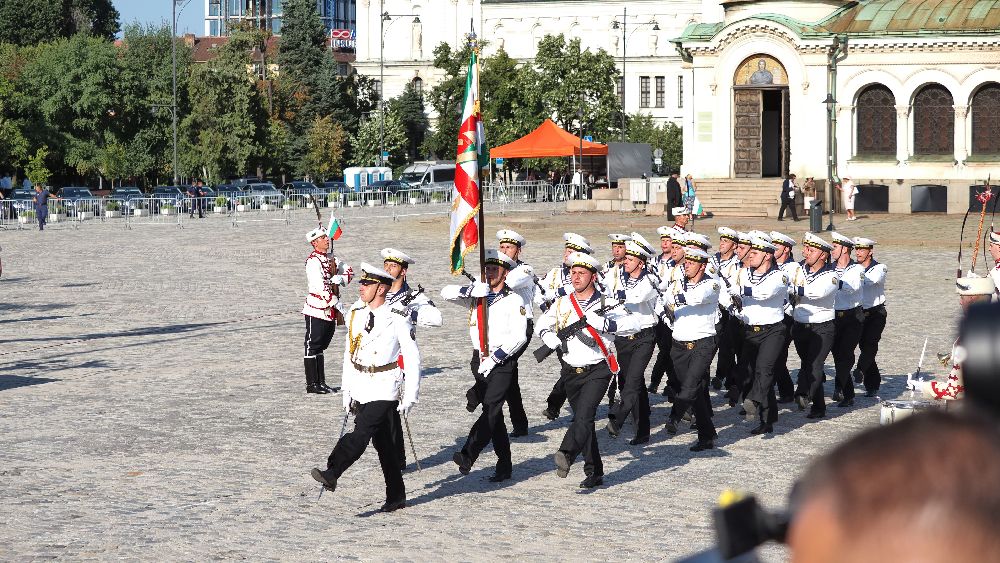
(546, 141)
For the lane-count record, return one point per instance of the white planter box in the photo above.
(352, 204)
(267, 207)
(219, 210)
(286, 206)
(56, 217)
(241, 208)
(166, 211)
(139, 212)
(24, 220)
(373, 202)
(309, 205)
(111, 213)
(85, 215)
(414, 200)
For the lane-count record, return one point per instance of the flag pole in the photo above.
(481, 221)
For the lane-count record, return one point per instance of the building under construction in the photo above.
(222, 15)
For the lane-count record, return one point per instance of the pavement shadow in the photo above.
(36, 319)
(141, 331)
(8, 382)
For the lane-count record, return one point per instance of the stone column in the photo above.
(902, 133)
(961, 149)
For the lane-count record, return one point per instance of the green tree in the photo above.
(30, 22)
(303, 40)
(276, 161)
(512, 103)
(446, 99)
(409, 106)
(365, 143)
(642, 128)
(327, 141)
(36, 170)
(13, 144)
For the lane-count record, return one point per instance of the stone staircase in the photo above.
(741, 197)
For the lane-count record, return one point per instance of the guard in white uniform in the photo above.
(813, 328)
(588, 359)
(555, 284)
(764, 290)
(494, 366)
(322, 309)
(784, 259)
(849, 319)
(522, 280)
(639, 293)
(873, 310)
(728, 266)
(376, 387)
(695, 303)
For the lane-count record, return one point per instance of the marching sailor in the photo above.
(764, 290)
(617, 254)
(737, 384)
(375, 386)
(669, 271)
(695, 303)
(873, 313)
(849, 319)
(493, 368)
(783, 257)
(813, 316)
(682, 219)
(588, 360)
(522, 280)
(639, 293)
(555, 284)
(322, 310)
(729, 265)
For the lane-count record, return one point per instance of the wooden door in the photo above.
(786, 133)
(746, 134)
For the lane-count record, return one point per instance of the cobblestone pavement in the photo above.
(152, 404)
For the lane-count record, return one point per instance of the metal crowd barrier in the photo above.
(251, 208)
(152, 211)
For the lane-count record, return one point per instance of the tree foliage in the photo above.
(365, 143)
(29, 22)
(327, 141)
(667, 137)
(409, 106)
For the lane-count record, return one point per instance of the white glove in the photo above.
(595, 320)
(404, 408)
(486, 366)
(479, 289)
(551, 340)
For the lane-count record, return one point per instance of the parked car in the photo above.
(124, 195)
(166, 196)
(79, 199)
(21, 200)
(231, 194)
(430, 177)
(263, 193)
(336, 187)
(390, 186)
(299, 192)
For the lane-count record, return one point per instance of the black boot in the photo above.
(321, 376)
(312, 376)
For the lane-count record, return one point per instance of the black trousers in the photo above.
(515, 404)
(762, 345)
(319, 333)
(490, 426)
(664, 364)
(634, 354)
(813, 342)
(727, 351)
(871, 333)
(373, 423)
(557, 396)
(847, 326)
(788, 204)
(786, 388)
(585, 388)
(691, 359)
(739, 377)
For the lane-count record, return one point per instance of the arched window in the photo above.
(933, 121)
(418, 85)
(876, 121)
(986, 120)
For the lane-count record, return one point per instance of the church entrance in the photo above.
(760, 119)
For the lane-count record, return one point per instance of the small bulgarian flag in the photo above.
(334, 231)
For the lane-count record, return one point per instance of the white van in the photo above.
(431, 176)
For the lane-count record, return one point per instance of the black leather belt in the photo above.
(759, 328)
(844, 312)
(690, 344)
(639, 334)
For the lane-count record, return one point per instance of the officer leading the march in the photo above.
(375, 386)
(493, 368)
(322, 309)
(588, 360)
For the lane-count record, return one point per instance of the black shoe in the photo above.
(702, 446)
(613, 429)
(785, 399)
(472, 401)
(549, 414)
(859, 376)
(651, 388)
(329, 483)
(499, 477)
(815, 414)
(393, 506)
(733, 395)
(562, 464)
(871, 393)
(838, 396)
(463, 463)
(518, 433)
(716, 383)
(763, 429)
(802, 402)
(329, 389)
(671, 426)
(846, 403)
(637, 441)
(592, 481)
(316, 389)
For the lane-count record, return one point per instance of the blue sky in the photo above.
(190, 20)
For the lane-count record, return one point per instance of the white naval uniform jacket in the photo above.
(849, 288)
(320, 301)
(640, 295)
(555, 280)
(729, 270)
(764, 295)
(522, 280)
(796, 277)
(696, 310)
(581, 348)
(507, 320)
(671, 282)
(421, 311)
(817, 295)
(611, 278)
(873, 285)
(377, 339)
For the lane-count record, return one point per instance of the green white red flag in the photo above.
(472, 156)
(334, 230)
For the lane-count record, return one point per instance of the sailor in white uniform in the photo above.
(813, 330)
(849, 320)
(873, 307)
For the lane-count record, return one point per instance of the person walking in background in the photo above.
(809, 194)
(691, 198)
(41, 202)
(847, 191)
(788, 189)
(675, 197)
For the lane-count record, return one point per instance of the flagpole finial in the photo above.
(473, 40)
